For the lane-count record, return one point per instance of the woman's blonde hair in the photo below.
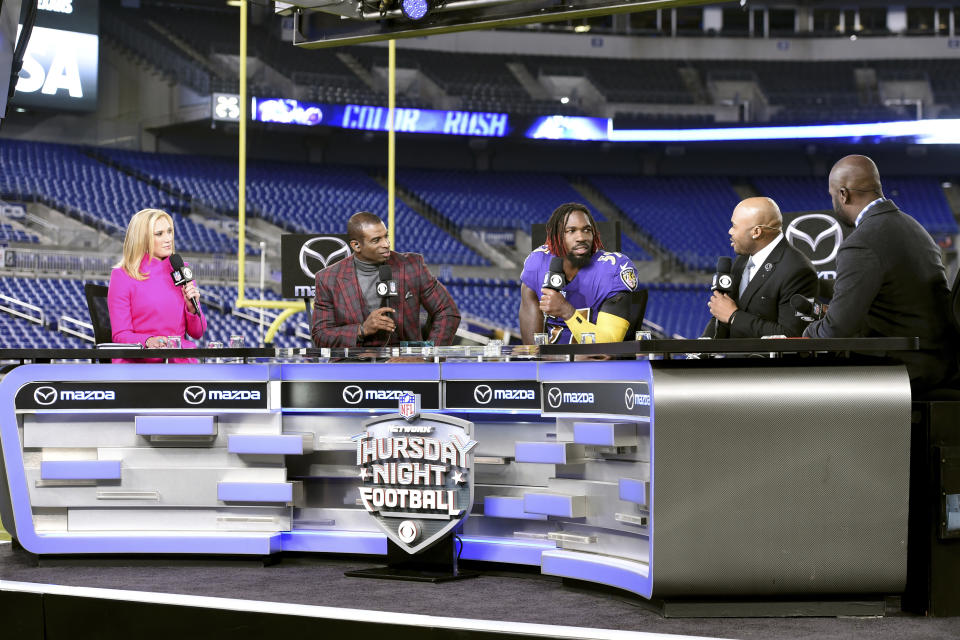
(137, 241)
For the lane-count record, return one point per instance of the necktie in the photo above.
(745, 277)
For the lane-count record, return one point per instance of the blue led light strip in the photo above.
(916, 131)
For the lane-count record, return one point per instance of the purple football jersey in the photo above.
(607, 273)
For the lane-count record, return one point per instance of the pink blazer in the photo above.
(152, 307)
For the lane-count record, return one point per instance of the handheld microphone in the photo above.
(807, 309)
(722, 280)
(181, 275)
(386, 286)
(555, 278)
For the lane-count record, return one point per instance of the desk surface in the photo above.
(493, 352)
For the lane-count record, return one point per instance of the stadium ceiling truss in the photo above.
(356, 21)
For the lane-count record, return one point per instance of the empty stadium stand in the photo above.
(301, 198)
(64, 178)
(922, 198)
(689, 217)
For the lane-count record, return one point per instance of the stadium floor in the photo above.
(503, 595)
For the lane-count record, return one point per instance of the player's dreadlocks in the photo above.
(558, 223)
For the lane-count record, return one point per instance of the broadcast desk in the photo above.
(759, 477)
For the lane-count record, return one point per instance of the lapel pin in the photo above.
(767, 267)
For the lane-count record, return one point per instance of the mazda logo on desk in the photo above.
(483, 394)
(45, 396)
(194, 394)
(601, 398)
(96, 396)
(496, 395)
(352, 394)
(554, 397)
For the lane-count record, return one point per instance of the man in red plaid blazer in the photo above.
(346, 310)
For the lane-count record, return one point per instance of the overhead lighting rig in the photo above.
(327, 23)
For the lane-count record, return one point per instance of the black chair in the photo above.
(638, 307)
(96, 295)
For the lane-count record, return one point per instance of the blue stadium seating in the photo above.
(689, 217)
(10, 234)
(498, 200)
(922, 198)
(494, 300)
(302, 198)
(94, 193)
(681, 309)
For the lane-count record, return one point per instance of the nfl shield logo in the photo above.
(410, 406)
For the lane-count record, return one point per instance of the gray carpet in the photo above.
(497, 595)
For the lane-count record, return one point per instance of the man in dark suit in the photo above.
(890, 277)
(766, 274)
(347, 311)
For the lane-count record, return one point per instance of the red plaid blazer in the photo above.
(339, 308)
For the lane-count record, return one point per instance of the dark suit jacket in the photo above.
(339, 308)
(891, 282)
(765, 309)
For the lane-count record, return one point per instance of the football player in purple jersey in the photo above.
(594, 295)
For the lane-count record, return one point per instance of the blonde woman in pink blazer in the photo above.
(145, 306)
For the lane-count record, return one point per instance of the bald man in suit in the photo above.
(890, 277)
(766, 274)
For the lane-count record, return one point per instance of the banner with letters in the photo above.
(62, 58)
(107, 396)
(356, 395)
(598, 398)
(416, 474)
(492, 395)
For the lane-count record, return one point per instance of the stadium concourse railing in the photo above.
(28, 261)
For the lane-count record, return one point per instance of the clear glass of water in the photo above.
(173, 342)
(236, 342)
(540, 338)
(588, 338)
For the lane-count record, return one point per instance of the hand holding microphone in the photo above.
(552, 301)
(182, 276)
(380, 319)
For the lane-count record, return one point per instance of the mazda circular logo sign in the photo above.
(45, 396)
(352, 394)
(319, 253)
(554, 397)
(194, 394)
(482, 393)
(629, 398)
(822, 233)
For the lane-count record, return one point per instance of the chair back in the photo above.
(638, 307)
(96, 295)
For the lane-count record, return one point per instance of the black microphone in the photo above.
(386, 286)
(181, 275)
(722, 280)
(807, 308)
(555, 278)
